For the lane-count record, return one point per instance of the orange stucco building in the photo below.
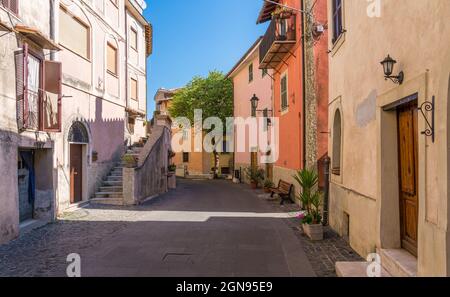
(282, 52)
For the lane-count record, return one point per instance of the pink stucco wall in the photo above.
(244, 90)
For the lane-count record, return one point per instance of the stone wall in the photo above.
(149, 179)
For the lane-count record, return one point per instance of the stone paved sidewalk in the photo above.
(322, 254)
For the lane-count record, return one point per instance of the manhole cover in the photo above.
(177, 258)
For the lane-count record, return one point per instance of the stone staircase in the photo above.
(111, 190)
(394, 262)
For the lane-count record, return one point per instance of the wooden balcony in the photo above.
(278, 41)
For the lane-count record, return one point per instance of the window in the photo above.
(337, 143)
(133, 39)
(250, 73)
(283, 28)
(38, 90)
(284, 92)
(134, 89)
(111, 59)
(337, 20)
(185, 157)
(74, 34)
(12, 5)
(264, 72)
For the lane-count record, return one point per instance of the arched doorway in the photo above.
(78, 140)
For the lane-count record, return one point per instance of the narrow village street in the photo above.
(204, 228)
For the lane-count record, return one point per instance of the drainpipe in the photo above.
(52, 26)
(303, 84)
(126, 75)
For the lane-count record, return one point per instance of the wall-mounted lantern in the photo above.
(388, 68)
(255, 101)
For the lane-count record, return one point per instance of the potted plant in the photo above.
(311, 199)
(129, 161)
(172, 168)
(255, 175)
(268, 185)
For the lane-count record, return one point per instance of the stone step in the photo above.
(112, 189)
(114, 183)
(114, 178)
(116, 173)
(355, 269)
(398, 262)
(107, 201)
(109, 195)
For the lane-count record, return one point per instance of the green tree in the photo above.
(213, 95)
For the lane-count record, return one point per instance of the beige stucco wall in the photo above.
(417, 34)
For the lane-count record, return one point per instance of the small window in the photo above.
(185, 135)
(133, 39)
(111, 56)
(185, 157)
(284, 92)
(11, 5)
(250, 73)
(134, 89)
(337, 143)
(337, 20)
(74, 34)
(264, 72)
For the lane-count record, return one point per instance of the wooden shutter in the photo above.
(111, 58)
(134, 89)
(51, 107)
(21, 61)
(12, 5)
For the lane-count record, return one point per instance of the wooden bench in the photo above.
(284, 190)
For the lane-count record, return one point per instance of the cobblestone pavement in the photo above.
(322, 254)
(204, 228)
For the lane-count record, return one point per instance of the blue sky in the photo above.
(193, 37)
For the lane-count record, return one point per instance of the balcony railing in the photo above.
(277, 42)
(28, 111)
(41, 111)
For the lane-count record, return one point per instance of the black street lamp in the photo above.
(254, 101)
(388, 68)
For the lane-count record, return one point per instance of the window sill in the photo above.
(284, 111)
(112, 74)
(75, 53)
(338, 43)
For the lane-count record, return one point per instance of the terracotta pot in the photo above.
(254, 185)
(314, 232)
(267, 190)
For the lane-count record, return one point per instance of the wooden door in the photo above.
(269, 172)
(408, 173)
(254, 160)
(76, 173)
